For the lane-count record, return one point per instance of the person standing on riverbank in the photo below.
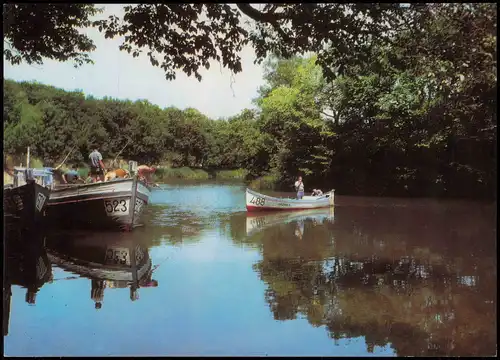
(299, 187)
(96, 165)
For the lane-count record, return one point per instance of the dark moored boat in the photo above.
(26, 199)
(116, 204)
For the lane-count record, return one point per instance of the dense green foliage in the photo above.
(184, 173)
(36, 31)
(53, 121)
(415, 117)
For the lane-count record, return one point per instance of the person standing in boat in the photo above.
(299, 187)
(145, 173)
(96, 165)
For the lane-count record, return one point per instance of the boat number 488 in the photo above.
(258, 201)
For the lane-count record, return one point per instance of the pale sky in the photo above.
(119, 75)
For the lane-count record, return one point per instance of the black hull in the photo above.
(25, 207)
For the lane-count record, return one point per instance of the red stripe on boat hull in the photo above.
(265, 208)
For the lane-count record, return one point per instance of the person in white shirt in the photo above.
(299, 187)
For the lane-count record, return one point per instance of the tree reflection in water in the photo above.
(390, 280)
(173, 225)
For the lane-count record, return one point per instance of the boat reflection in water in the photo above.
(109, 260)
(256, 222)
(26, 265)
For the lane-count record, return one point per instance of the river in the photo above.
(373, 277)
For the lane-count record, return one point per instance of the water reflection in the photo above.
(258, 221)
(393, 278)
(174, 225)
(108, 260)
(400, 277)
(26, 265)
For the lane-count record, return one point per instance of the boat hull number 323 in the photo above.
(117, 207)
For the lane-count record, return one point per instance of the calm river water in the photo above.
(389, 277)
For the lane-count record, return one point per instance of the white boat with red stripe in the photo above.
(260, 202)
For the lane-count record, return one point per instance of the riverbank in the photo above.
(266, 182)
(163, 173)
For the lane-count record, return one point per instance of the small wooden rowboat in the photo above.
(260, 202)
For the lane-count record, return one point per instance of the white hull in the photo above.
(260, 202)
(103, 189)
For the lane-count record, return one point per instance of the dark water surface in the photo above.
(373, 277)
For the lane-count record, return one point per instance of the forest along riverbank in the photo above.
(371, 140)
(381, 276)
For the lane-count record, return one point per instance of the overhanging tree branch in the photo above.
(267, 17)
(270, 17)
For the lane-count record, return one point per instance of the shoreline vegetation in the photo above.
(383, 129)
(366, 111)
(163, 173)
